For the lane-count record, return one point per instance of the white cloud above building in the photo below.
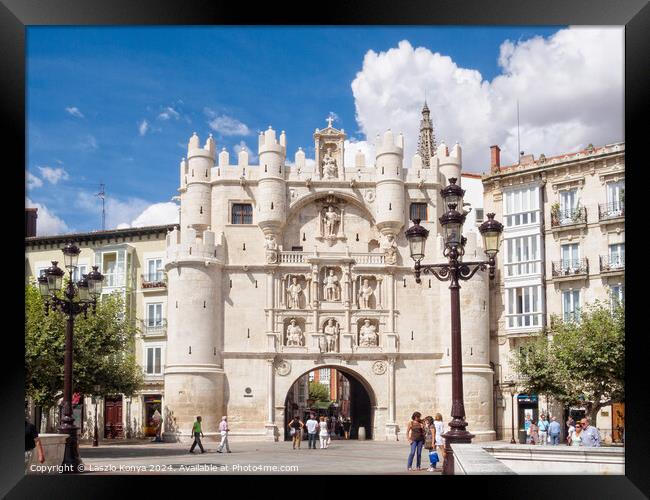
(47, 223)
(569, 87)
(74, 111)
(53, 175)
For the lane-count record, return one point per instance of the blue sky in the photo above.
(118, 104)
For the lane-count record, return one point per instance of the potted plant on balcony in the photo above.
(576, 216)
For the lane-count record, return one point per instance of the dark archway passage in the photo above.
(343, 394)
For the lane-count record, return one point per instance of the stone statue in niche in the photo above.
(271, 249)
(330, 221)
(368, 335)
(390, 249)
(294, 290)
(365, 293)
(332, 288)
(294, 335)
(330, 170)
(331, 334)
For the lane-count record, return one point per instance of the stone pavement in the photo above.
(342, 457)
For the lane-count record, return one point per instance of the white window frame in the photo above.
(618, 255)
(522, 255)
(324, 376)
(614, 194)
(616, 294)
(159, 271)
(526, 312)
(153, 346)
(575, 299)
(148, 318)
(521, 206)
(570, 256)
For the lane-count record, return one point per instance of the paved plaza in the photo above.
(342, 457)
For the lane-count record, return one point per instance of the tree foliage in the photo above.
(319, 392)
(103, 352)
(578, 363)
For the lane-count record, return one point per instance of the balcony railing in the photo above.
(561, 218)
(609, 263)
(611, 210)
(154, 280)
(297, 257)
(158, 329)
(570, 267)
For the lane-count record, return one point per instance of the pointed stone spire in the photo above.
(427, 140)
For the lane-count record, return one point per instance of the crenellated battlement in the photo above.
(195, 150)
(269, 143)
(187, 244)
(388, 144)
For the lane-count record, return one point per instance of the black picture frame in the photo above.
(15, 15)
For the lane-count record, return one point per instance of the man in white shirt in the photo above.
(224, 429)
(312, 426)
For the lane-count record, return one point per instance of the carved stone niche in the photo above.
(293, 332)
(296, 289)
(368, 332)
(366, 292)
(331, 284)
(331, 220)
(331, 330)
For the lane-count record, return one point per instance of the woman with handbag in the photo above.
(295, 430)
(415, 436)
(429, 442)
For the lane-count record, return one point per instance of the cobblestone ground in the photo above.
(342, 457)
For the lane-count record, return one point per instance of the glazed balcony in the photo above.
(570, 269)
(154, 281)
(612, 264)
(568, 219)
(611, 212)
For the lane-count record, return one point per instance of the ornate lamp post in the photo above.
(455, 271)
(76, 300)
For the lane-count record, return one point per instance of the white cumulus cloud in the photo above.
(143, 127)
(74, 111)
(569, 87)
(33, 182)
(168, 113)
(157, 215)
(47, 224)
(242, 146)
(226, 125)
(54, 175)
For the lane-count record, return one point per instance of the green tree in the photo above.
(319, 392)
(103, 351)
(578, 363)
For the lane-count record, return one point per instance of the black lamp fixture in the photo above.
(454, 271)
(77, 298)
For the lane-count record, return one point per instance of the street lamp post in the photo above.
(96, 432)
(454, 271)
(76, 299)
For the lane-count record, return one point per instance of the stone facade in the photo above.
(265, 249)
(564, 247)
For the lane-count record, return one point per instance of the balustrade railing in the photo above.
(611, 210)
(297, 257)
(568, 217)
(568, 267)
(612, 263)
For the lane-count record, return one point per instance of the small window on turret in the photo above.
(242, 213)
(418, 211)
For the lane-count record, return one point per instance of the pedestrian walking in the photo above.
(323, 434)
(198, 434)
(295, 430)
(570, 423)
(571, 430)
(224, 429)
(527, 423)
(575, 438)
(591, 434)
(429, 442)
(439, 440)
(157, 422)
(534, 433)
(330, 429)
(339, 427)
(554, 431)
(312, 431)
(415, 436)
(32, 441)
(347, 425)
(542, 426)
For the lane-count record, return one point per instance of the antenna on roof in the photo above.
(518, 145)
(102, 195)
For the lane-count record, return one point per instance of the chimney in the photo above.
(495, 161)
(30, 222)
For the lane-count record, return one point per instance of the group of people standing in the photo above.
(324, 428)
(427, 434)
(544, 432)
(198, 434)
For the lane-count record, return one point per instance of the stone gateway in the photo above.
(282, 268)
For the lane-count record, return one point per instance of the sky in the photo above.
(117, 105)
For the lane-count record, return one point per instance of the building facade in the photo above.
(279, 269)
(563, 247)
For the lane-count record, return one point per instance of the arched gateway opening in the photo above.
(335, 393)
